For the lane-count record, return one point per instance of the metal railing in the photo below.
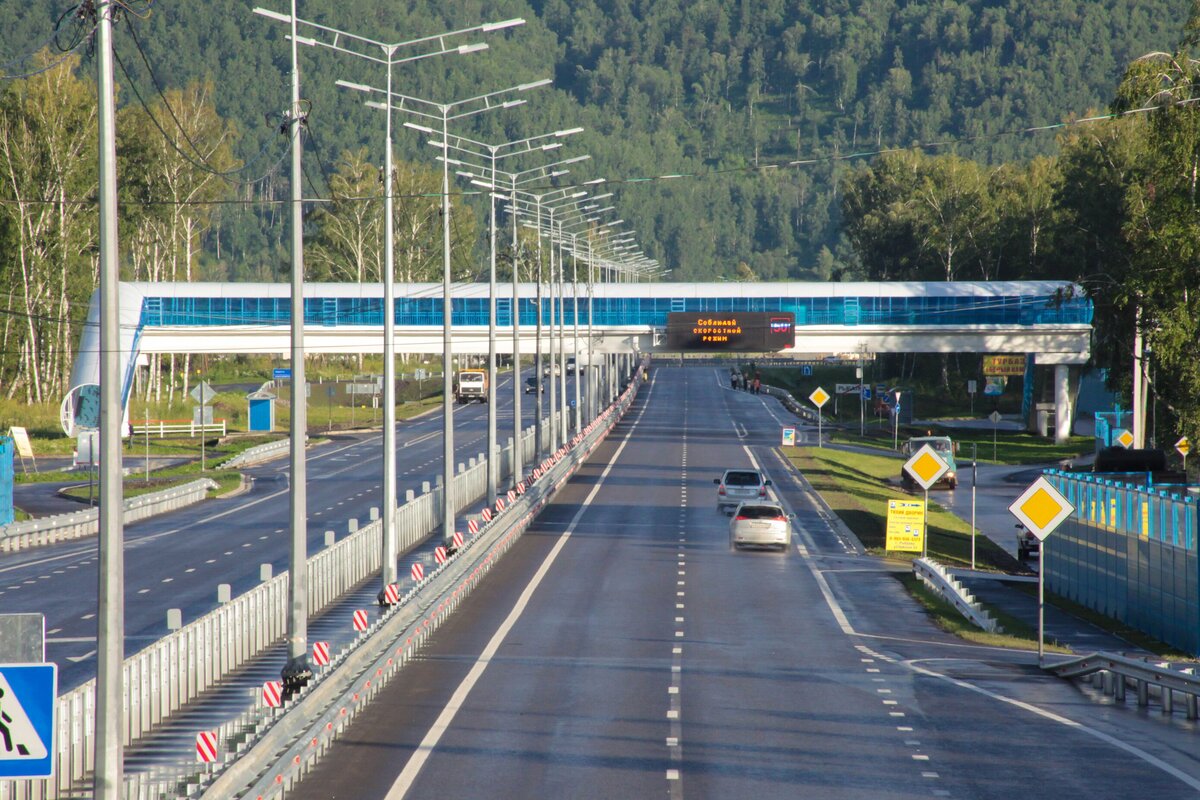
(941, 582)
(77, 524)
(259, 453)
(177, 427)
(178, 668)
(1113, 674)
(790, 403)
(276, 751)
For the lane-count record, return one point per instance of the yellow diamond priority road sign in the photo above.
(926, 466)
(1183, 446)
(1124, 438)
(819, 397)
(1041, 508)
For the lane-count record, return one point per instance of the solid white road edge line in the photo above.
(416, 761)
(848, 629)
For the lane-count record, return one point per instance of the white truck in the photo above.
(471, 384)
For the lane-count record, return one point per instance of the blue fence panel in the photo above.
(1129, 552)
(6, 480)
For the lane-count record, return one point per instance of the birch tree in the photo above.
(181, 152)
(48, 179)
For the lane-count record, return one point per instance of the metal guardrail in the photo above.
(259, 453)
(279, 750)
(950, 589)
(61, 527)
(178, 668)
(791, 403)
(1115, 673)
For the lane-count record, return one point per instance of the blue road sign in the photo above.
(806, 370)
(866, 393)
(284, 373)
(27, 697)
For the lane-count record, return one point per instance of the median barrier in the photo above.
(61, 527)
(177, 669)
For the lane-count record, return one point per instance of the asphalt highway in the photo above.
(177, 560)
(621, 649)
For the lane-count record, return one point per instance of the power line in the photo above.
(170, 141)
(171, 111)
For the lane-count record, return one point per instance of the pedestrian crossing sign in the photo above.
(27, 698)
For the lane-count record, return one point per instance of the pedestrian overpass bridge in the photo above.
(1049, 319)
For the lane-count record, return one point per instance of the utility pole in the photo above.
(110, 634)
(517, 466)
(296, 672)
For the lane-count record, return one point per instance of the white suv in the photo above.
(737, 485)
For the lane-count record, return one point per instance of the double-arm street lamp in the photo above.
(493, 153)
(296, 670)
(572, 210)
(389, 55)
(446, 113)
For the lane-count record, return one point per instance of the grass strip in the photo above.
(856, 487)
(1016, 634)
(1115, 627)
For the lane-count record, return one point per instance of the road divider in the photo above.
(284, 748)
(62, 527)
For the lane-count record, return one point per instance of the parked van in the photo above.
(471, 384)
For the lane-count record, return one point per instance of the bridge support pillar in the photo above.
(1062, 403)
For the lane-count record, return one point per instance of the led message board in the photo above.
(742, 332)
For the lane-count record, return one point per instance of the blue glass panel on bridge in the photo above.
(625, 311)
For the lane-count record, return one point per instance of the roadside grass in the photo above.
(227, 481)
(1116, 627)
(855, 485)
(1016, 634)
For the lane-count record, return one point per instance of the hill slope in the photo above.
(670, 86)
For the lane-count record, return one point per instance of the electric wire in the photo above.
(171, 112)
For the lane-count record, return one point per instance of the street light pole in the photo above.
(365, 48)
(448, 509)
(110, 622)
(483, 103)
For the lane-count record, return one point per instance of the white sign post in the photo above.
(1041, 508)
(926, 467)
(202, 394)
(995, 419)
(819, 398)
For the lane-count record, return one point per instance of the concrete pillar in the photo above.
(1063, 412)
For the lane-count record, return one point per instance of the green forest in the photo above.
(820, 141)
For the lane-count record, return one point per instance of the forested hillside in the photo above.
(772, 120)
(663, 86)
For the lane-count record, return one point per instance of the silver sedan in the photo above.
(762, 523)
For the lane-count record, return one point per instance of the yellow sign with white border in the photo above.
(906, 526)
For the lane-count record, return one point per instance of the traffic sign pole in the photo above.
(1041, 508)
(819, 398)
(974, 476)
(925, 527)
(1042, 603)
